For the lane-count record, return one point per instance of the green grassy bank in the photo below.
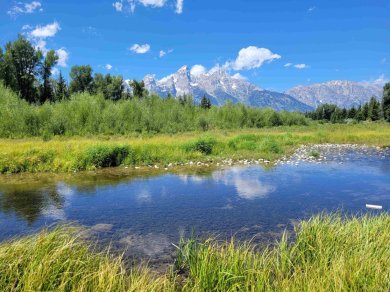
(329, 254)
(68, 154)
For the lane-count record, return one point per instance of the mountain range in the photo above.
(219, 86)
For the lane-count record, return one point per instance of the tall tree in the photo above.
(82, 79)
(48, 64)
(205, 102)
(386, 102)
(61, 91)
(138, 88)
(21, 64)
(373, 109)
(110, 86)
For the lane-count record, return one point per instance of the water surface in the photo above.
(146, 214)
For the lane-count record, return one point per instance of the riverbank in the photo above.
(329, 253)
(263, 146)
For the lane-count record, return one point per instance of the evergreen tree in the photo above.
(386, 102)
(373, 109)
(205, 102)
(61, 91)
(351, 113)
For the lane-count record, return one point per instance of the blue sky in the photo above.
(275, 44)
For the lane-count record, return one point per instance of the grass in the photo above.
(68, 154)
(330, 253)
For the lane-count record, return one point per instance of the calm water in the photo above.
(145, 214)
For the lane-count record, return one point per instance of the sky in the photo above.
(275, 44)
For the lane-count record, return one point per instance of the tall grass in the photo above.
(60, 261)
(62, 154)
(330, 253)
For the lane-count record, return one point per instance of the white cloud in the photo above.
(55, 71)
(118, 6)
(197, 70)
(140, 49)
(301, 66)
(162, 53)
(288, 64)
(24, 8)
(153, 3)
(252, 57)
(311, 9)
(63, 57)
(46, 31)
(384, 60)
(128, 6)
(179, 6)
(108, 66)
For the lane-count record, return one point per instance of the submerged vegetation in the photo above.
(329, 253)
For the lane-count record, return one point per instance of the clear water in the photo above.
(146, 214)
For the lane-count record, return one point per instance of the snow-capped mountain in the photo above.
(342, 93)
(220, 87)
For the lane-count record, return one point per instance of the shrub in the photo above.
(204, 145)
(104, 156)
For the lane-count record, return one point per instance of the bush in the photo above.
(203, 145)
(104, 156)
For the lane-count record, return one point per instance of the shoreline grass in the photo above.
(69, 154)
(330, 253)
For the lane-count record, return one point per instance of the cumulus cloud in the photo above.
(46, 31)
(301, 66)
(63, 57)
(251, 58)
(288, 64)
(140, 49)
(238, 76)
(24, 8)
(118, 6)
(197, 70)
(179, 6)
(108, 66)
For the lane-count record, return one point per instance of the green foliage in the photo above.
(104, 156)
(205, 102)
(203, 145)
(329, 253)
(20, 67)
(110, 86)
(82, 80)
(138, 88)
(46, 88)
(85, 114)
(386, 102)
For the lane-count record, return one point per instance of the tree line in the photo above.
(28, 71)
(373, 110)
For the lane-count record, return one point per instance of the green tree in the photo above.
(205, 102)
(82, 80)
(373, 109)
(61, 91)
(138, 88)
(110, 86)
(351, 113)
(46, 88)
(20, 66)
(386, 102)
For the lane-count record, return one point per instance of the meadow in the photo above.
(329, 253)
(69, 154)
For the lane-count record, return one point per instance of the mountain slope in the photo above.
(342, 93)
(221, 87)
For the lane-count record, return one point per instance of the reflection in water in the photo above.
(145, 214)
